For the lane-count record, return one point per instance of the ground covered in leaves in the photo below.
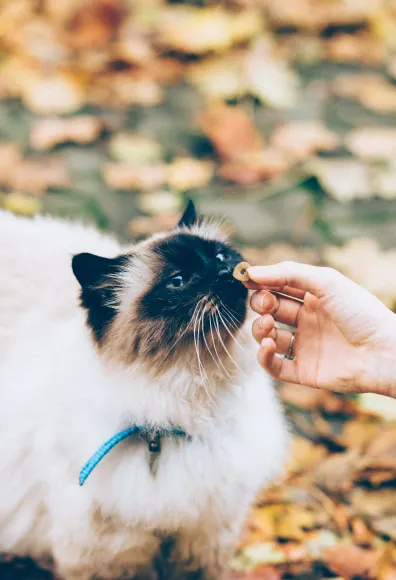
(278, 115)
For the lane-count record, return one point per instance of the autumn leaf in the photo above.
(159, 203)
(372, 142)
(134, 148)
(54, 95)
(351, 561)
(191, 30)
(269, 78)
(48, 133)
(302, 139)
(231, 131)
(186, 173)
(20, 203)
(363, 260)
(127, 176)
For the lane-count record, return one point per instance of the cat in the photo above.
(156, 335)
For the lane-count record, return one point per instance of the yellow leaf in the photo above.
(21, 203)
(134, 148)
(159, 202)
(188, 173)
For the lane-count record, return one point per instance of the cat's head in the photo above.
(172, 295)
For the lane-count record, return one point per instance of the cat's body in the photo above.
(62, 395)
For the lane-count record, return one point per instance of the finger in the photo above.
(312, 279)
(283, 370)
(264, 327)
(282, 309)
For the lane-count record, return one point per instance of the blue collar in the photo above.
(154, 444)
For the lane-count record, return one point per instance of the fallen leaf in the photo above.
(231, 131)
(372, 142)
(385, 526)
(54, 95)
(94, 24)
(315, 15)
(374, 503)
(269, 78)
(186, 173)
(126, 176)
(194, 30)
(358, 431)
(304, 455)
(372, 90)
(292, 521)
(381, 451)
(386, 566)
(259, 573)
(134, 148)
(302, 139)
(362, 260)
(37, 175)
(308, 398)
(378, 405)
(351, 561)
(360, 532)
(255, 166)
(159, 203)
(21, 203)
(384, 180)
(219, 78)
(392, 67)
(336, 473)
(362, 48)
(10, 157)
(267, 553)
(51, 132)
(144, 226)
(343, 179)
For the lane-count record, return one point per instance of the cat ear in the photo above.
(91, 270)
(190, 217)
(99, 286)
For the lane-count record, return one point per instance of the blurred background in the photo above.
(278, 116)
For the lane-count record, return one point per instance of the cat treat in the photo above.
(241, 271)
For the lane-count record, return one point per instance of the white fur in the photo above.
(59, 401)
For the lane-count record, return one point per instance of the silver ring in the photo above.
(289, 355)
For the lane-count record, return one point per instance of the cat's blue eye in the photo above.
(221, 256)
(176, 282)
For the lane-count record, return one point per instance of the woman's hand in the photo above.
(345, 338)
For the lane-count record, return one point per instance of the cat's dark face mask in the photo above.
(191, 300)
(195, 290)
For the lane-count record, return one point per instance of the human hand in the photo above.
(345, 338)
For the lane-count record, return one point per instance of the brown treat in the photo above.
(241, 271)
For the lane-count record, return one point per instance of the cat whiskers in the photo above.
(185, 330)
(216, 320)
(200, 314)
(215, 349)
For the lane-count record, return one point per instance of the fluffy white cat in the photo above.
(154, 335)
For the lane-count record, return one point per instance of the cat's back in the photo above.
(35, 266)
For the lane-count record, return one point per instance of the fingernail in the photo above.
(263, 298)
